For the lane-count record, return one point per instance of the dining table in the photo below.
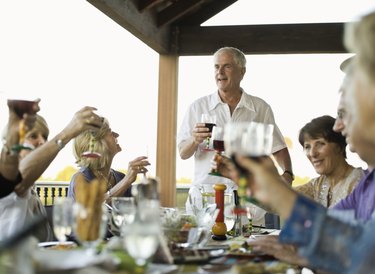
(230, 256)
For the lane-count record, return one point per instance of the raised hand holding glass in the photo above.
(210, 122)
(21, 107)
(250, 139)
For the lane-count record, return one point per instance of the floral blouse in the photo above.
(319, 188)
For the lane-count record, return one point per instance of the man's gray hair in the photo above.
(238, 56)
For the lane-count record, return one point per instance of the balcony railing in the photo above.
(48, 191)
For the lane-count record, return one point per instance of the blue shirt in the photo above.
(328, 243)
(89, 176)
(362, 199)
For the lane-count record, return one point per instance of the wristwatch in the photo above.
(60, 144)
(290, 173)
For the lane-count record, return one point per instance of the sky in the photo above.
(70, 55)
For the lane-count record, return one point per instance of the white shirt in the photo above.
(250, 108)
(16, 212)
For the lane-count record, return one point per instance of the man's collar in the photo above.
(214, 100)
(245, 101)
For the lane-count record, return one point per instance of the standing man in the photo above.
(229, 103)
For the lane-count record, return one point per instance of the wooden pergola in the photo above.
(173, 28)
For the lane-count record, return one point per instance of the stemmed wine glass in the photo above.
(21, 107)
(123, 211)
(210, 122)
(250, 139)
(218, 144)
(63, 218)
(91, 153)
(141, 237)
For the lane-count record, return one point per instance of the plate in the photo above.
(57, 245)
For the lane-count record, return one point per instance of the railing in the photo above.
(48, 191)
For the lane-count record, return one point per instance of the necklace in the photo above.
(331, 186)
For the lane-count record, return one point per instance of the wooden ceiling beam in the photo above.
(141, 25)
(176, 10)
(210, 9)
(261, 39)
(148, 4)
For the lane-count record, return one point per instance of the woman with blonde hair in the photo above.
(117, 183)
(22, 205)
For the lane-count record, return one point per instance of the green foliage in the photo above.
(184, 180)
(300, 181)
(66, 174)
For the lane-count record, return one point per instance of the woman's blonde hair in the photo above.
(39, 126)
(82, 142)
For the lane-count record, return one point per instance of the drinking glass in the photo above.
(218, 145)
(90, 225)
(207, 195)
(21, 107)
(229, 214)
(250, 139)
(91, 153)
(251, 211)
(123, 211)
(141, 237)
(63, 218)
(210, 122)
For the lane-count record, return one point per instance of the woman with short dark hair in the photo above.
(325, 149)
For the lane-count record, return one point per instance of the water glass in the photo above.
(229, 214)
(141, 237)
(123, 211)
(63, 218)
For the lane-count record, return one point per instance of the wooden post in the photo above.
(167, 128)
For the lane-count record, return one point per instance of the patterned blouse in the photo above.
(319, 188)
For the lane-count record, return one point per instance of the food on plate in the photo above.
(176, 226)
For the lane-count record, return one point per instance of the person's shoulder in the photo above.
(78, 175)
(118, 174)
(203, 102)
(255, 99)
(203, 99)
(358, 171)
(83, 172)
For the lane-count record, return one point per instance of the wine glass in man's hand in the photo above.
(218, 145)
(210, 122)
